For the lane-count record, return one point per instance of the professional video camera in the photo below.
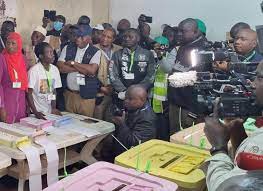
(219, 52)
(236, 98)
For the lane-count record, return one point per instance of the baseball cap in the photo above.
(98, 27)
(41, 30)
(162, 40)
(201, 25)
(81, 30)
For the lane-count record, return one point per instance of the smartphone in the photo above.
(52, 15)
(46, 13)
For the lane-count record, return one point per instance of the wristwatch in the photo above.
(216, 149)
(72, 63)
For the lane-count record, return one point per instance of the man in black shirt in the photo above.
(122, 26)
(138, 123)
(182, 100)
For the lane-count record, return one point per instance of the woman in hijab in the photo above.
(13, 80)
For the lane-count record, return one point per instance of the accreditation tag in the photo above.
(51, 97)
(129, 76)
(81, 79)
(16, 85)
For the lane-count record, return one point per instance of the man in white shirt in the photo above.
(44, 79)
(79, 64)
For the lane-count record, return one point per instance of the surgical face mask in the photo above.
(58, 25)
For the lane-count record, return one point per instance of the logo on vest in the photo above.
(142, 66)
(141, 57)
(125, 57)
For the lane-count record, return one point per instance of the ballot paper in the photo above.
(52, 157)
(34, 164)
(35, 123)
(58, 120)
(77, 128)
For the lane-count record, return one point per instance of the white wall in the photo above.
(219, 15)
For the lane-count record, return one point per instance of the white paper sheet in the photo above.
(52, 158)
(34, 164)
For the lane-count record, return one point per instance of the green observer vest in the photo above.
(159, 90)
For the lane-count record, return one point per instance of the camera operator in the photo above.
(249, 150)
(245, 44)
(181, 99)
(138, 122)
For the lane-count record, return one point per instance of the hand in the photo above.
(121, 95)
(69, 63)
(106, 90)
(56, 112)
(119, 120)
(45, 21)
(40, 115)
(3, 115)
(217, 134)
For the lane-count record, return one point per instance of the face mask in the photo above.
(58, 25)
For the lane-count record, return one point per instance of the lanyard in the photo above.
(16, 75)
(248, 58)
(132, 61)
(49, 79)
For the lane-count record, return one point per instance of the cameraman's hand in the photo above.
(119, 120)
(217, 134)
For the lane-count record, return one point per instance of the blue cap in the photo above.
(82, 30)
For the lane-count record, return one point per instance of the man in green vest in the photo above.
(159, 91)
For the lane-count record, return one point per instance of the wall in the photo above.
(30, 12)
(219, 15)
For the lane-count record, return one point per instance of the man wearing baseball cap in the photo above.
(38, 36)
(79, 63)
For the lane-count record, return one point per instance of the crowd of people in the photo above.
(122, 77)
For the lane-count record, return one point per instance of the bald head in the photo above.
(137, 91)
(123, 25)
(189, 30)
(136, 97)
(245, 41)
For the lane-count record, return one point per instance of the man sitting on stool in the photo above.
(137, 124)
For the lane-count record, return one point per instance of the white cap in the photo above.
(98, 27)
(41, 30)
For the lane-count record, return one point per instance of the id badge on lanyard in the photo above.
(16, 84)
(50, 95)
(81, 79)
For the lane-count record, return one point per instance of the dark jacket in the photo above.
(143, 69)
(184, 97)
(139, 125)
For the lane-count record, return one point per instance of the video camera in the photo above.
(236, 97)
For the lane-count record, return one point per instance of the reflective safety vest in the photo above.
(159, 90)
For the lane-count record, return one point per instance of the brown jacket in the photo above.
(104, 65)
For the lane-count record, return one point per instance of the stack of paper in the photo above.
(35, 123)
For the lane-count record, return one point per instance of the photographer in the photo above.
(165, 61)
(145, 41)
(248, 155)
(181, 99)
(138, 122)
